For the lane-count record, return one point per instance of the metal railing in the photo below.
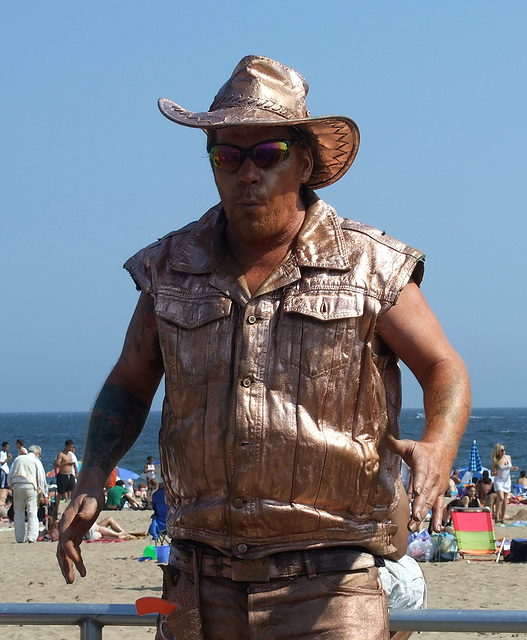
(92, 618)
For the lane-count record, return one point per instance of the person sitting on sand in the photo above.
(522, 479)
(153, 486)
(118, 495)
(470, 499)
(446, 519)
(140, 492)
(5, 503)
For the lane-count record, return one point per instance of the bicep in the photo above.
(140, 365)
(411, 330)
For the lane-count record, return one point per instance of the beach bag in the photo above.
(518, 550)
(446, 547)
(420, 546)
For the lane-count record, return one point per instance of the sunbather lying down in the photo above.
(105, 529)
(109, 529)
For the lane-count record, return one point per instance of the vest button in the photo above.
(246, 382)
(238, 502)
(242, 548)
(251, 319)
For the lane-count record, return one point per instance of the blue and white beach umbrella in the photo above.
(127, 474)
(474, 461)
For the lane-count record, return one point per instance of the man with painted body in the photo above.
(278, 326)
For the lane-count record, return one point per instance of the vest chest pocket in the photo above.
(323, 330)
(194, 336)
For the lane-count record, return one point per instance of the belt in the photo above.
(280, 565)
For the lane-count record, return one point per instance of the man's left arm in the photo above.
(41, 476)
(413, 333)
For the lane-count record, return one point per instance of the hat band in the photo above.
(229, 102)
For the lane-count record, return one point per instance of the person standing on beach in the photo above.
(28, 482)
(149, 471)
(66, 471)
(501, 471)
(19, 444)
(5, 457)
(278, 326)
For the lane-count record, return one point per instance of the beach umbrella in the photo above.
(474, 461)
(474, 469)
(127, 474)
(465, 475)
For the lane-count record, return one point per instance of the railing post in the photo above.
(90, 629)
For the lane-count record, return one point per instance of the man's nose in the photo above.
(249, 173)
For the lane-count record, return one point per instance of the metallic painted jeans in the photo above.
(330, 606)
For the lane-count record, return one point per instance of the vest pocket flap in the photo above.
(189, 312)
(331, 305)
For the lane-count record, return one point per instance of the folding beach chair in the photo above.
(474, 532)
(158, 528)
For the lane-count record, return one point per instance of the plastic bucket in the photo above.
(163, 553)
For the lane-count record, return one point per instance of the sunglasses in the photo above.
(266, 154)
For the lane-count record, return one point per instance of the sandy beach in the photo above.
(115, 575)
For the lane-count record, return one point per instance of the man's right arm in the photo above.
(117, 419)
(58, 461)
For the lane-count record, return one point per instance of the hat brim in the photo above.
(337, 136)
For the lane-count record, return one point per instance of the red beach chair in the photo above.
(474, 532)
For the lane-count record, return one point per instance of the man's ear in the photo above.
(307, 167)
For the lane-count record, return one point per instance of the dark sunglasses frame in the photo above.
(249, 153)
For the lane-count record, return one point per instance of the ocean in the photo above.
(49, 430)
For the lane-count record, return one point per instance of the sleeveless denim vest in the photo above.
(276, 407)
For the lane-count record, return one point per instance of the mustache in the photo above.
(249, 195)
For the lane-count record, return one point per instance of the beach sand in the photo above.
(30, 574)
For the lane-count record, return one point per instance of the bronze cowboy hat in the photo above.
(263, 92)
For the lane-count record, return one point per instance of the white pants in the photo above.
(25, 496)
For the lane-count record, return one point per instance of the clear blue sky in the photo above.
(90, 171)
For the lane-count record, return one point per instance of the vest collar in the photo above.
(320, 243)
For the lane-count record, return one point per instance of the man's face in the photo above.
(262, 203)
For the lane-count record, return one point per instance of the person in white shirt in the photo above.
(27, 479)
(149, 471)
(5, 456)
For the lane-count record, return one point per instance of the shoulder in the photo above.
(385, 262)
(194, 241)
(378, 241)
(377, 236)
(158, 252)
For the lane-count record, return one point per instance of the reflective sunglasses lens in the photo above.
(268, 154)
(224, 157)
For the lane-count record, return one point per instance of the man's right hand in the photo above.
(76, 520)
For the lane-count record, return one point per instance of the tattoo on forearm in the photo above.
(117, 420)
